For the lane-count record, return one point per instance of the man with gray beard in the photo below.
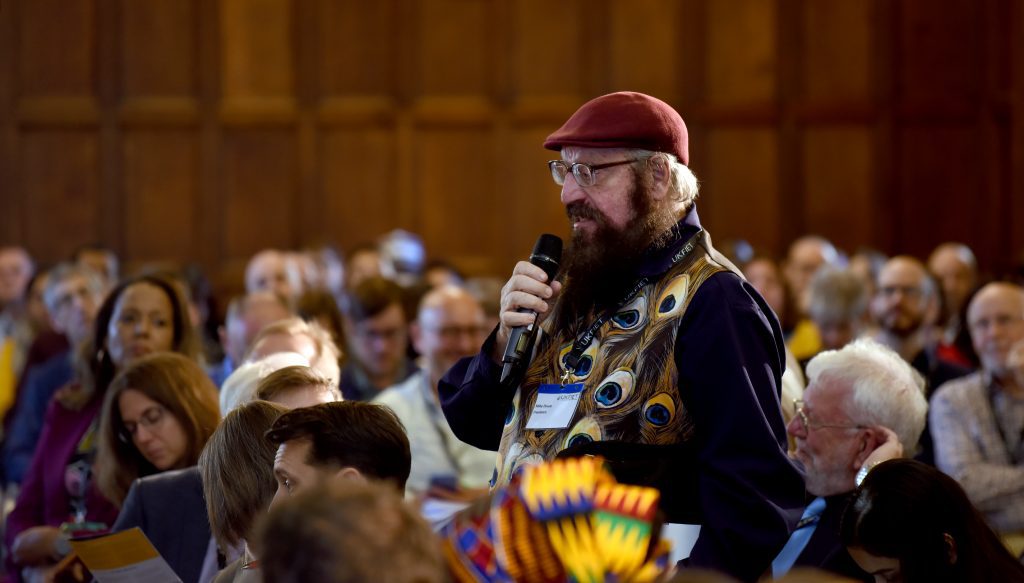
(654, 353)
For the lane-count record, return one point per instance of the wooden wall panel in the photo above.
(837, 174)
(837, 51)
(360, 186)
(632, 65)
(256, 57)
(158, 48)
(260, 187)
(547, 50)
(57, 47)
(741, 58)
(943, 193)
(527, 199)
(453, 47)
(357, 46)
(160, 196)
(455, 170)
(60, 185)
(940, 54)
(740, 198)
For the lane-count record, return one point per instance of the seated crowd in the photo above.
(302, 437)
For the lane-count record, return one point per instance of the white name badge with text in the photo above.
(555, 406)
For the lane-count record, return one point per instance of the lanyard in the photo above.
(583, 341)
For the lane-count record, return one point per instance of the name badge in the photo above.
(555, 406)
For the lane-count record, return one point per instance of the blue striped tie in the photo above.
(798, 540)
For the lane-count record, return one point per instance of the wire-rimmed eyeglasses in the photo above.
(798, 405)
(584, 174)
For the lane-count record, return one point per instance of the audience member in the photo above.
(330, 269)
(487, 291)
(72, 297)
(347, 440)
(141, 316)
(449, 326)
(866, 263)
(101, 260)
(904, 308)
(240, 387)
(297, 386)
(863, 404)
(911, 523)
(157, 415)
(238, 484)
(439, 272)
(345, 532)
(272, 271)
(306, 338)
(402, 257)
(838, 305)
(375, 325)
(246, 316)
(956, 269)
(806, 255)
(363, 263)
(321, 306)
(16, 334)
(978, 421)
(764, 274)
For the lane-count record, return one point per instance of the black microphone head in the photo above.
(547, 254)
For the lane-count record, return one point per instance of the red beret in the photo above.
(624, 120)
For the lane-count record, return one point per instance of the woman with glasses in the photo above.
(157, 416)
(59, 497)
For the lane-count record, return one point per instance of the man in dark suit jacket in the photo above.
(863, 404)
(170, 509)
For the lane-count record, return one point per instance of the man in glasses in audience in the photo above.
(863, 405)
(449, 325)
(653, 353)
(978, 421)
(906, 308)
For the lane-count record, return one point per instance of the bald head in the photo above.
(956, 270)
(995, 320)
(806, 255)
(273, 271)
(246, 317)
(449, 326)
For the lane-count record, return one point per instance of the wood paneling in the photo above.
(360, 183)
(60, 186)
(454, 51)
(179, 130)
(742, 194)
(260, 184)
(57, 47)
(158, 53)
(741, 52)
(160, 195)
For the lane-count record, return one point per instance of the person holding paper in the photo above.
(654, 351)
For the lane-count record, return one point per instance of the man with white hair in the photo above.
(977, 421)
(863, 404)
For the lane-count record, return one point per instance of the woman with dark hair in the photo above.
(909, 522)
(157, 416)
(59, 497)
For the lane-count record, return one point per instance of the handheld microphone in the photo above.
(547, 253)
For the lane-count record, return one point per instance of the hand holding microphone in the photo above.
(528, 293)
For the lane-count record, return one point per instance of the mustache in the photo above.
(578, 210)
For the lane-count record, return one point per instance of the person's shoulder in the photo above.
(402, 394)
(965, 388)
(170, 479)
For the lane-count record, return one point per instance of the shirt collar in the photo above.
(659, 261)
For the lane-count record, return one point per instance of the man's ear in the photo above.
(871, 438)
(660, 176)
(350, 473)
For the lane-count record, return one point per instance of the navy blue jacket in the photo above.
(734, 478)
